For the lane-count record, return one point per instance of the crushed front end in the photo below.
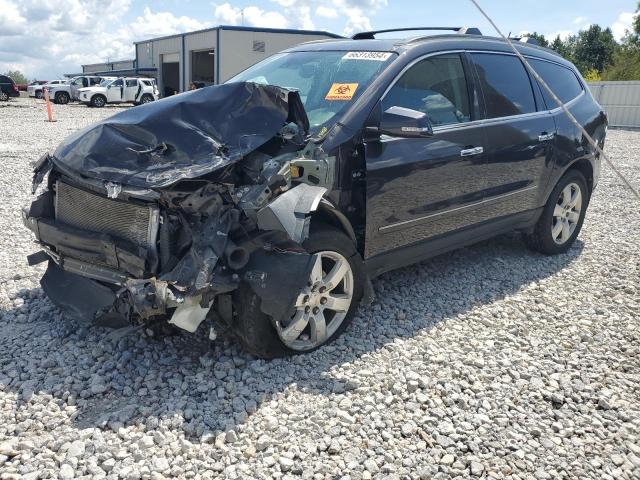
(162, 211)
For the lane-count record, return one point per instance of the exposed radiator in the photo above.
(96, 213)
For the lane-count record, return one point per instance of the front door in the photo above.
(115, 91)
(419, 188)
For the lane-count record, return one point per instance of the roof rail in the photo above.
(372, 34)
(529, 40)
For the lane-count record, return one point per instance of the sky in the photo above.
(46, 38)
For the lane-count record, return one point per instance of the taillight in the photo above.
(15, 87)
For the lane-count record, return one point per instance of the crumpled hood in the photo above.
(183, 136)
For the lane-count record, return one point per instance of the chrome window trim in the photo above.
(404, 223)
(485, 121)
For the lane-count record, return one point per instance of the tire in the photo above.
(146, 98)
(4, 96)
(257, 331)
(560, 224)
(39, 95)
(98, 101)
(62, 98)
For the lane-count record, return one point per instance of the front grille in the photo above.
(89, 211)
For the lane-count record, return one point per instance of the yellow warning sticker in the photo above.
(341, 91)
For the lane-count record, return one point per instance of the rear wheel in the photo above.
(324, 307)
(4, 96)
(98, 101)
(562, 217)
(62, 98)
(39, 94)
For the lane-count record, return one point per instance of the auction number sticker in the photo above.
(341, 91)
(375, 56)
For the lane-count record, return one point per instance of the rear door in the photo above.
(132, 88)
(520, 135)
(419, 188)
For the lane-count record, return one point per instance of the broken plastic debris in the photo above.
(113, 189)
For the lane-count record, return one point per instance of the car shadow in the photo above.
(182, 379)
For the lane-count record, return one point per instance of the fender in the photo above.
(326, 211)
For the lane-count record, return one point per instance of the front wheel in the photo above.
(146, 98)
(324, 307)
(98, 101)
(562, 217)
(62, 98)
(39, 94)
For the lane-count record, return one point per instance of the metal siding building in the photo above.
(621, 101)
(214, 55)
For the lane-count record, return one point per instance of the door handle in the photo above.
(468, 152)
(543, 137)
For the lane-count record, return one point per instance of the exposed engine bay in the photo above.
(162, 210)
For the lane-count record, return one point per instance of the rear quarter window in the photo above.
(561, 80)
(505, 84)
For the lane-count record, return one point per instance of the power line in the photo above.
(593, 143)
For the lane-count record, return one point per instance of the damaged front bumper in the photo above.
(136, 229)
(94, 276)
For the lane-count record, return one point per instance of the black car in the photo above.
(269, 202)
(8, 88)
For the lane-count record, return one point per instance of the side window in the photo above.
(561, 80)
(436, 86)
(94, 81)
(85, 82)
(132, 83)
(505, 83)
(117, 83)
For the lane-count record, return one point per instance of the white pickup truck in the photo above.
(36, 89)
(64, 93)
(120, 90)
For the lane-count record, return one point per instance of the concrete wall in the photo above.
(621, 101)
(236, 48)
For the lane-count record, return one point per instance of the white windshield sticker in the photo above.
(376, 56)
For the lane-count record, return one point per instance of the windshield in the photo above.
(328, 81)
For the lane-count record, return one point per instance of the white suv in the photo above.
(121, 90)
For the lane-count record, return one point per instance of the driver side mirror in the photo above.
(403, 122)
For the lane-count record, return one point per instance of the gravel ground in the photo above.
(488, 362)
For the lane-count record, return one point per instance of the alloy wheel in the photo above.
(4, 96)
(566, 213)
(322, 305)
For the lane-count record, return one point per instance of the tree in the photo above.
(542, 41)
(626, 65)
(16, 76)
(563, 47)
(633, 37)
(594, 49)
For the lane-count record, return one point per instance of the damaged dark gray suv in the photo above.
(269, 202)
